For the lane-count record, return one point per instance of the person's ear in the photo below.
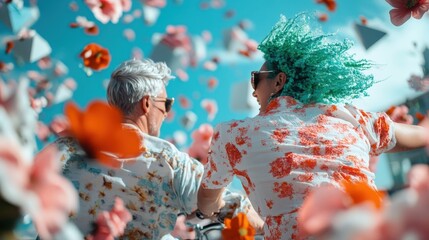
(144, 104)
(280, 81)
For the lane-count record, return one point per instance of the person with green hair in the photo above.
(307, 133)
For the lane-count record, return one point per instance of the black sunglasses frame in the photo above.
(167, 101)
(254, 80)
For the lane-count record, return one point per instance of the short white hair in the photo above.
(134, 79)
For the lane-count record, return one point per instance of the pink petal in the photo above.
(397, 3)
(418, 12)
(399, 16)
(319, 209)
(418, 177)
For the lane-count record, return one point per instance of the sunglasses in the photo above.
(168, 103)
(255, 77)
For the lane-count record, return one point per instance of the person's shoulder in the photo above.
(234, 123)
(157, 144)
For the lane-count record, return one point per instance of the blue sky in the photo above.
(395, 55)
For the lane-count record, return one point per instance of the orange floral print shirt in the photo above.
(282, 154)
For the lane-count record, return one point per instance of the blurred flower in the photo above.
(404, 9)
(418, 83)
(37, 188)
(211, 108)
(95, 57)
(90, 27)
(184, 102)
(400, 114)
(155, 3)
(111, 224)
(100, 133)
(108, 10)
(363, 20)
(181, 230)
(9, 47)
(238, 228)
(59, 126)
(330, 4)
(42, 131)
(201, 142)
(319, 210)
(322, 17)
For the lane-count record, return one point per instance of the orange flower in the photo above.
(330, 4)
(100, 133)
(9, 47)
(238, 228)
(360, 192)
(95, 57)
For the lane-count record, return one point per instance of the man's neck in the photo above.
(140, 123)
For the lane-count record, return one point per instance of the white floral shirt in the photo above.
(282, 154)
(158, 185)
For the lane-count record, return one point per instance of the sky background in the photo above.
(397, 55)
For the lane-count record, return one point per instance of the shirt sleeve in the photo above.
(379, 129)
(218, 171)
(187, 180)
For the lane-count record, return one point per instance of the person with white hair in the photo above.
(157, 185)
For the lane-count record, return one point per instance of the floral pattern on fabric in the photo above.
(155, 187)
(291, 149)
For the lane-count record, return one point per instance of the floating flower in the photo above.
(108, 10)
(100, 132)
(330, 4)
(90, 27)
(201, 142)
(37, 188)
(111, 224)
(404, 9)
(238, 228)
(95, 57)
(210, 106)
(400, 114)
(320, 208)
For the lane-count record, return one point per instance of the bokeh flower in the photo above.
(404, 9)
(100, 133)
(238, 228)
(95, 57)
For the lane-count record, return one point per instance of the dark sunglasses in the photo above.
(255, 77)
(168, 102)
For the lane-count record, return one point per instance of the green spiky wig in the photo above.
(318, 69)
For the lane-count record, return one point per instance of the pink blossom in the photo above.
(201, 142)
(42, 131)
(107, 10)
(211, 108)
(404, 9)
(111, 224)
(418, 177)
(126, 5)
(177, 37)
(38, 188)
(318, 210)
(182, 74)
(59, 125)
